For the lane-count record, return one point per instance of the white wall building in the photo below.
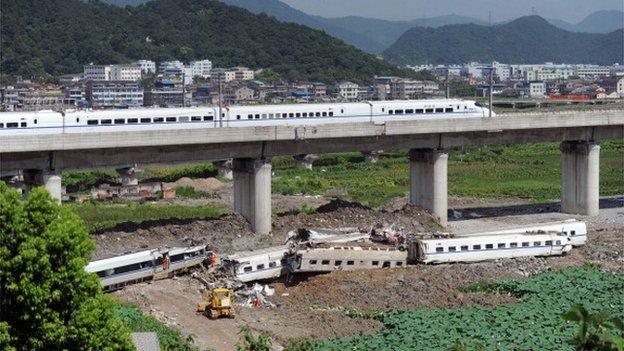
(201, 68)
(620, 87)
(147, 66)
(537, 89)
(130, 73)
(347, 90)
(97, 72)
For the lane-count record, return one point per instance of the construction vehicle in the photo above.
(218, 302)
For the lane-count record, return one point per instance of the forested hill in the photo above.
(60, 36)
(528, 39)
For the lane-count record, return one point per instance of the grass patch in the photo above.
(188, 192)
(528, 171)
(99, 216)
(173, 173)
(170, 339)
(535, 323)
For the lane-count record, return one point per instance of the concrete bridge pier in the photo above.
(252, 192)
(428, 181)
(580, 174)
(305, 161)
(50, 180)
(224, 169)
(129, 175)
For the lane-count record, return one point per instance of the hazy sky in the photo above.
(568, 10)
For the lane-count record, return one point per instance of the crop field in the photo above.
(534, 323)
(527, 171)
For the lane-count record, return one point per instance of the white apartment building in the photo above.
(224, 74)
(147, 66)
(129, 73)
(537, 89)
(170, 67)
(347, 90)
(586, 71)
(243, 73)
(201, 68)
(620, 87)
(502, 71)
(97, 72)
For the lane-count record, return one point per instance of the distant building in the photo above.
(147, 66)
(620, 87)
(201, 68)
(114, 94)
(319, 89)
(243, 73)
(169, 68)
(238, 94)
(69, 79)
(97, 72)
(223, 74)
(537, 89)
(165, 93)
(131, 73)
(347, 90)
(592, 71)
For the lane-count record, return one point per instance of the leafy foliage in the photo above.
(596, 331)
(42, 37)
(533, 324)
(249, 342)
(169, 339)
(48, 301)
(528, 39)
(188, 192)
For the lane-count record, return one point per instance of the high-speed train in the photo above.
(95, 121)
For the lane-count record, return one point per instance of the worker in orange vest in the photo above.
(165, 262)
(213, 259)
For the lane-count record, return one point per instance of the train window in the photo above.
(399, 264)
(537, 243)
(375, 263)
(298, 115)
(305, 114)
(318, 114)
(448, 109)
(133, 120)
(249, 116)
(573, 232)
(237, 116)
(92, 122)
(324, 114)
(260, 266)
(513, 244)
(264, 116)
(489, 246)
(458, 107)
(338, 263)
(270, 115)
(1, 125)
(383, 109)
(272, 264)
(386, 264)
(390, 112)
(197, 118)
(501, 245)
(171, 119)
(429, 110)
(159, 120)
(176, 258)
(409, 111)
(476, 247)
(291, 115)
(257, 116)
(325, 262)
(12, 125)
(183, 119)
(120, 121)
(208, 118)
(398, 112)
(452, 249)
(311, 114)
(558, 242)
(525, 244)
(350, 263)
(146, 120)
(331, 113)
(439, 249)
(341, 110)
(105, 121)
(313, 261)
(419, 110)
(548, 242)
(35, 120)
(247, 269)
(23, 124)
(464, 248)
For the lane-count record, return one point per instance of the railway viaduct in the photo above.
(41, 158)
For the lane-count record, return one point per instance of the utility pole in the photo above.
(183, 88)
(219, 82)
(491, 89)
(446, 81)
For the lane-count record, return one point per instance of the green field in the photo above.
(534, 323)
(102, 216)
(527, 171)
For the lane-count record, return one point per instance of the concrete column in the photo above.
(51, 181)
(580, 175)
(428, 181)
(305, 161)
(372, 156)
(129, 175)
(224, 169)
(252, 192)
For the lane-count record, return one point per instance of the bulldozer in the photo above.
(218, 302)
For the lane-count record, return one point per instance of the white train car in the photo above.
(260, 264)
(574, 229)
(489, 247)
(116, 272)
(327, 259)
(98, 121)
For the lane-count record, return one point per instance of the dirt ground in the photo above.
(310, 306)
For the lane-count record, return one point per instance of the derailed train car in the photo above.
(344, 257)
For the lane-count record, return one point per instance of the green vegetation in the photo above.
(249, 342)
(188, 192)
(596, 331)
(48, 300)
(505, 43)
(102, 216)
(80, 180)
(527, 171)
(534, 323)
(170, 339)
(48, 37)
(173, 173)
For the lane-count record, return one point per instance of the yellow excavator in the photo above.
(218, 302)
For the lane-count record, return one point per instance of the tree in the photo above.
(47, 299)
